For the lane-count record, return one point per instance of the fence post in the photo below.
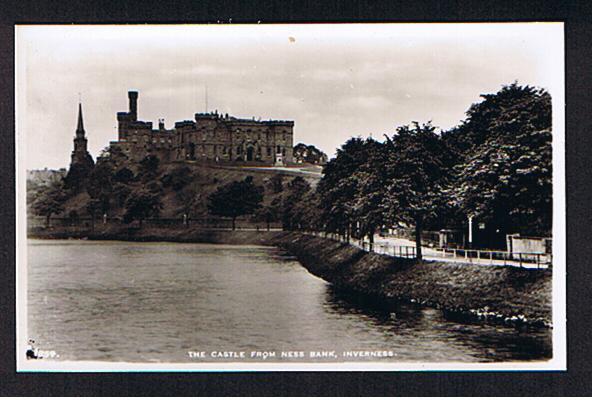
(520, 258)
(491, 258)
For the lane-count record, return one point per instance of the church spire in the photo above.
(80, 129)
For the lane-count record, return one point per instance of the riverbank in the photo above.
(498, 294)
(161, 234)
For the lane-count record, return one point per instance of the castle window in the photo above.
(269, 151)
(161, 140)
(284, 152)
(278, 149)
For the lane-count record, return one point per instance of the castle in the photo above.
(210, 137)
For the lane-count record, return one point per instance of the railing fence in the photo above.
(484, 257)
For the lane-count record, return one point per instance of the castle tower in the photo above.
(133, 104)
(81, 163)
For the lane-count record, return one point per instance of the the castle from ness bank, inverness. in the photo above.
(209, 137)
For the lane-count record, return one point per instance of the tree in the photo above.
(140, 205)
(100, 188)
(309, 154)
(124, 175)
(506, 177)
(77, 177)
(370, 182)
(93, 207)
(149, 168)
(235, 199)
(177, 178)
(269, 213)
(292, 203)
(416, 172)
(49, 200)
(306, 211)
(276, 183)
(337, 187)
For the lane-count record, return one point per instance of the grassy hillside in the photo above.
(190, 196)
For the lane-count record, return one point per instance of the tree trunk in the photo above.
(371, 234)
(47, 217)
(268, 226)
(233, 223)
(418, 228)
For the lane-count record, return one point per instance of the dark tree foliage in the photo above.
(294, 204)
(337, 187)
(276, 182)
(49, 200)
(416, 173)
(269, 213)
(505, 176)
(100, 188)
(306, 212)
(149, 168)
(309, 154)
(124, 175)
(115, 155)
(77, 177)
(177, 178)
(370, 181)
(142, 204)
(235, 199)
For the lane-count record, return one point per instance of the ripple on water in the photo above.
(156, 301)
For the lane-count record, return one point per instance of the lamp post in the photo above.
(470, 231)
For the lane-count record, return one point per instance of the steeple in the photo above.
(80, 128)
(81, 163)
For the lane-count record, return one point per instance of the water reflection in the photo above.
(156, 301)
(488, 342)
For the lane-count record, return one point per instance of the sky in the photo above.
(335, 81)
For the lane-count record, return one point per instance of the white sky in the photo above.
(334, 81)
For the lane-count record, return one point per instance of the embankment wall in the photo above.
(503, 294)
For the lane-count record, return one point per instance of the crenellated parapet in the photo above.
(209, 137)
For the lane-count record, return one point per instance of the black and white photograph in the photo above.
(290, 197)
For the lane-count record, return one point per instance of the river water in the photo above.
(170, 302)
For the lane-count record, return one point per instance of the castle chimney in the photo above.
(133, 104)
(161, 124)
